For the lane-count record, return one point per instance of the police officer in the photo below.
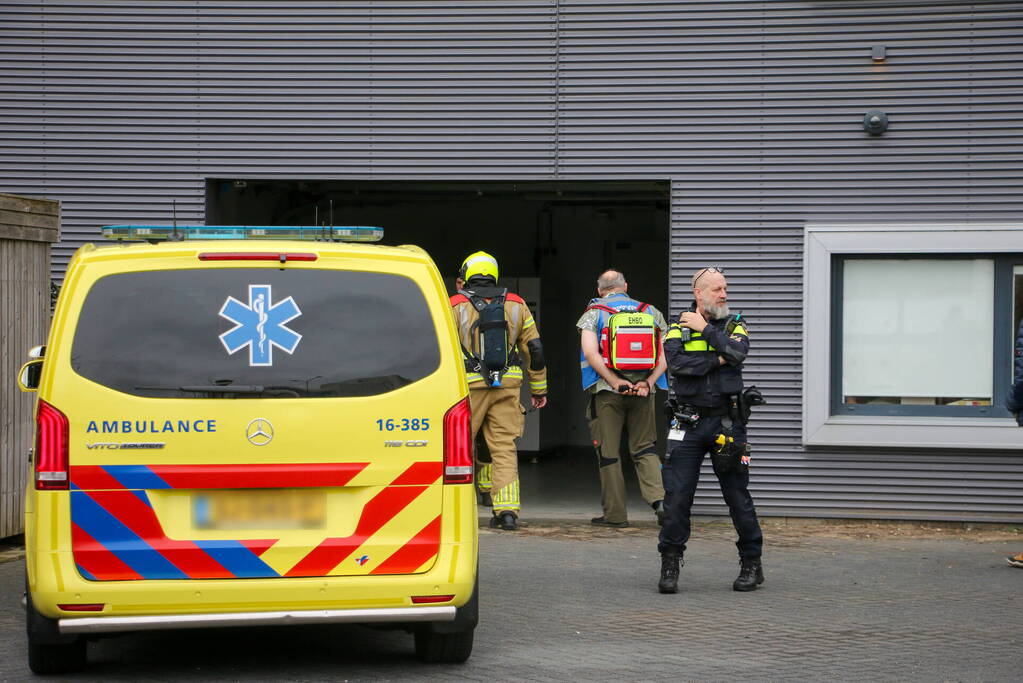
(705, 351)
(621, 399)
(494, 394)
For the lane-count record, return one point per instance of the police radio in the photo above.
(687, 334)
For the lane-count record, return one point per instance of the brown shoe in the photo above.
(1015, 560)
(602, 521)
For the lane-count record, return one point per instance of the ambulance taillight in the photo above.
(458, 466)
(51, 454)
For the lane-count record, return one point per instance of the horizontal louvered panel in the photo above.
(752, 109)
(310, 90)
(750, 219)
(869, 487)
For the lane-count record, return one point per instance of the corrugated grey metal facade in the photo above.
(751, 109)
(121, 110)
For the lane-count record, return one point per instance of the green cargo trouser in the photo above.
(608, 412)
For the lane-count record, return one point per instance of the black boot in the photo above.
(751, 574)
(670, 563)
(506, 520)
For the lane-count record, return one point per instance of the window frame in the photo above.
(1001, 302)
(824, 245)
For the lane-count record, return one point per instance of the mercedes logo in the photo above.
(259, 432)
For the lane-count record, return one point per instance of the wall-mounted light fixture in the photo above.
(878, 53)
(875, 122)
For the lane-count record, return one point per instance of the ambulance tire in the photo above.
(450, 642)
(443, 648)
(45, 660)
(48, 652)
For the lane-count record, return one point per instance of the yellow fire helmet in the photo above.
(479, 263)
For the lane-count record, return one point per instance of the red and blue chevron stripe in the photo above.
(116, 535)
(214, 476)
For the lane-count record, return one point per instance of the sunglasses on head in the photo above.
(712, 269)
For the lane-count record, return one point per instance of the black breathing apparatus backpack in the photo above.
(493, 331)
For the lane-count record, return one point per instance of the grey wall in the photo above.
(751, 109)
(121, 109)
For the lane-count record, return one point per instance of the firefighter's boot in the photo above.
(507, 520)
(751, 574)
(670, 563)
(483, 485)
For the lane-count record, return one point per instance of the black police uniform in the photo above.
(1014, 401)
(699, 380)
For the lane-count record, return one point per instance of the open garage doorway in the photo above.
(551, 238)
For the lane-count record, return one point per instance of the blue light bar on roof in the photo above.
(161, 233)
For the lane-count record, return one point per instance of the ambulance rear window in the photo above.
(255, 333)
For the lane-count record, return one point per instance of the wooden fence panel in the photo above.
(27, 228)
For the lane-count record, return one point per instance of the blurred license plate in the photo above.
(259, 509)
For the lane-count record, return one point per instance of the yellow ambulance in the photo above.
(245, 425)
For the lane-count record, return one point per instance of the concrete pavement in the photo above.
(571, 602)
(563, 600)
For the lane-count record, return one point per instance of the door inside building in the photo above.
(552, 239)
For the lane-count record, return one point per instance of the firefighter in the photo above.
(499, 339)
(621, 381)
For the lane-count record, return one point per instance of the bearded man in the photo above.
(705, 351)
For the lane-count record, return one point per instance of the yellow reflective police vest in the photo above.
(696, 341)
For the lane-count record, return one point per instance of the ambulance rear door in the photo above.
(238, 420)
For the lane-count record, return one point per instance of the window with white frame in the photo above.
(908, 334)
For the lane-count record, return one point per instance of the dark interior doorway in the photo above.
(561, 233)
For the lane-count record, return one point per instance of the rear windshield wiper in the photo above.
(267, 391)
(228, 389)
(223, 388)
(210, 388)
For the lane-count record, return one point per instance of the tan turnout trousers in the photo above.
(498, 412)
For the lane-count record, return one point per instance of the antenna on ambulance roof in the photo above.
(174, 236)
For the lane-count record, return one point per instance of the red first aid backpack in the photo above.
(628, 339)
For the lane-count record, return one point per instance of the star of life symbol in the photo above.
(260, 325)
